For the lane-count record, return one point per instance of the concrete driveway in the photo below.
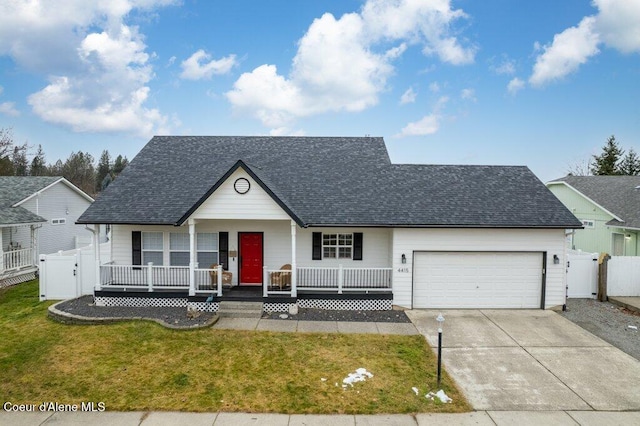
(531, 360)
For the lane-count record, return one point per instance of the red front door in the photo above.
(250, 258)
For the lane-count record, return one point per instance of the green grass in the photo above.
(140, 365)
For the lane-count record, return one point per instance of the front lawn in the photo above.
(140, 365)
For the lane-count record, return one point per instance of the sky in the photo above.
(541, 83)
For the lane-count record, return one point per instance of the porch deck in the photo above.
(276, 283)
(17, 266)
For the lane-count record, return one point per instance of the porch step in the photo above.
(238, 309)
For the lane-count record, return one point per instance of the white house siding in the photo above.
(375, 248)
(58, 202)
(276, 243)
(226, 203)
(406, 241)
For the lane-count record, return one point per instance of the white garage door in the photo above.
(477, 280)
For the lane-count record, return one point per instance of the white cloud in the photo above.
(434, 87)
(468, 94)
(616, 25)
(570, 49)
(341, 65)
(408, 97)
(9, 108)
(427, 125)
(515, 85)
(507, 67)
(97, 66)
(196, 67)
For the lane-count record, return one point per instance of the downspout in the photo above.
(96, 244)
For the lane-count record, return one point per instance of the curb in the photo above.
(72, 319)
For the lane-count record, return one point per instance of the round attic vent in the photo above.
(241, 186)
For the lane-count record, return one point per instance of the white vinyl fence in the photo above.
(582, 275)
(623, 276)
(71, 273)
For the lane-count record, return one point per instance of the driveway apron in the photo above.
(510, 360)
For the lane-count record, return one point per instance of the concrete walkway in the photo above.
(632, 303)
(489, 418)
(315, 326)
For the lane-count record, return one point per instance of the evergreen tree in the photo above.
(119, 165)
(55, 169)
(6, 150)
(103, 170)
(38, 164)
(607, 163)
(630, 164)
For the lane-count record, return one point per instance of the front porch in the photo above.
(276, 282)
(18, 254)
(317, 287)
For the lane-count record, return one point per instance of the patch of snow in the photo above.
(360, 375)
(440, 395)
(283, 316)
(633, 327)
(415, 389)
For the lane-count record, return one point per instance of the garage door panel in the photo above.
(477, 280)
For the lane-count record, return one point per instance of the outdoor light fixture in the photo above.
(404, 259)
(556, 259)
(233, 253)
(440, 320)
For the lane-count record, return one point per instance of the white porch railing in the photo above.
(333, 279)
(16, 259)
(152, 277)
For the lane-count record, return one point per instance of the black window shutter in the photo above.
(316, 252)
(223, 249)
(136, 248)
(357, 246)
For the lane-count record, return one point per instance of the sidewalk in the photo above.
(156, 418)
(277, 325)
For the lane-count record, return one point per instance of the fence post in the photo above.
(150, 276)
(340, 278)
(265, 282)
(602, 277)
(219, 283)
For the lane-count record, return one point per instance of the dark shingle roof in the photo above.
(620, 195)
(14, 189)
(326, 181)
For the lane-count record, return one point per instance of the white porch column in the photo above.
(294, 273)
(34, 244)
(192, 257)
(96, 251)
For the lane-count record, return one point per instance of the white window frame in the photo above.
(588, 223)
(173, 250)
(216, 249)
(152, 250)
(59, 221)
(337, 246)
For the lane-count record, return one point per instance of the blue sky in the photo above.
(539, 83)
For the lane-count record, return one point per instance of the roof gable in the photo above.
(343, 181)
(619, 196)
(222, 201)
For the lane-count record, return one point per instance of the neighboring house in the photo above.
(326, 223)
(609, 208)
(37, 216)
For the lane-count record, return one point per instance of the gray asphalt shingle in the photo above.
(620, 195)
(326, 181)
(14, 189)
